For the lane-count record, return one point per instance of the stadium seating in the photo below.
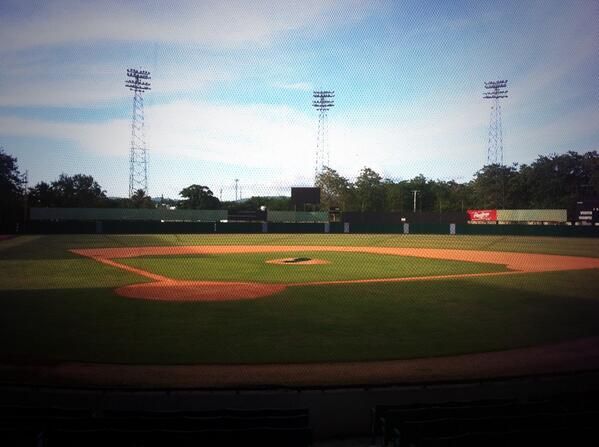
(22, 426)
(561, 420)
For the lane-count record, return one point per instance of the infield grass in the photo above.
(340, 266)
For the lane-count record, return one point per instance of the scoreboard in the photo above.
(587, 211)
(305, 196)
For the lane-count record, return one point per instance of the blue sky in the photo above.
(232, 83)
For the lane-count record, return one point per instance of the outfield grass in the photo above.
(58, 306)
(56, 246)
(341, 266)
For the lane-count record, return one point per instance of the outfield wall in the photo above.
(118, 214)
(400, 217)
(298, 216)
(167, 215)
(157, 227)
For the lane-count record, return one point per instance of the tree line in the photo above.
(551, 181)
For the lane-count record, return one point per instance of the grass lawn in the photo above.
(58, 306)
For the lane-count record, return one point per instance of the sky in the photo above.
(232, 88)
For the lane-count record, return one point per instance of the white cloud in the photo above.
(257, 136)
(302, 86)
(73, 53)
(106, 138)
(207, 23)
(84, 84)
(271, 147)
(276, 139)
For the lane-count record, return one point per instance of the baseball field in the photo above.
(220, 310)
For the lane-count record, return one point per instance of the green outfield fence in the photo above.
(158, 227)
(118, 214)
(166, 221)
(298, 216)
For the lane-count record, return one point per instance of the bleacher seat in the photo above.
(48, 427)
(497, 422)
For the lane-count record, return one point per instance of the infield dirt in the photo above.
(164, 288)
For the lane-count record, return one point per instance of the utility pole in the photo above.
(236, 186)
(415, 192)
(25, 195)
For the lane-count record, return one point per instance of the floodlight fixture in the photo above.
(136, 83)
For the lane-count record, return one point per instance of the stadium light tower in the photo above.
(496, 90)
(138, 83)
(323, 101)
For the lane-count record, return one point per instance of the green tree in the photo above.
(335, 190)
(198, 197)
(395, 194)
(591, 165)
(11, 192)
(42, 195)
(558, 180)
(493, 186)
(139, 199)
(370, 191)
(273, 203)
(77, 191)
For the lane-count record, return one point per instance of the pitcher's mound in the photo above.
(297, 261)
(199, 290)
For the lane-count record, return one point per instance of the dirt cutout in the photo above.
(199, 290)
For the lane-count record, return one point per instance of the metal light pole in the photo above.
(138, 155)
(495, 91)
(323, 101)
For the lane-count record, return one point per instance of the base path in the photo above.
(168, 289)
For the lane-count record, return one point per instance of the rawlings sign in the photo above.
(482, 215)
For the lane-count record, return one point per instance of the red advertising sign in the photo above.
(481, 215)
